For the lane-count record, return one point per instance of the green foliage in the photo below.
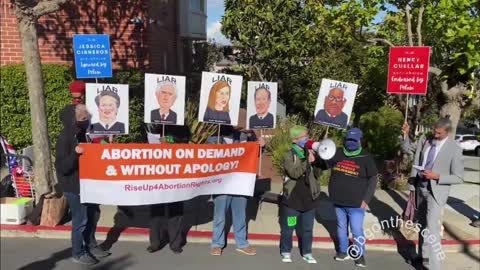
(381, 130)
(200, 131)
(301, 42)
(15, 109)
(452, 28)
(137, 131)
(135, 80)
(206, 54)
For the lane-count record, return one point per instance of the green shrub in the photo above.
(15, 105)
(200, 131)
(135, 80)
(380, 131)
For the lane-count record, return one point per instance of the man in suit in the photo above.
(263, 118)
(332, 113)
(438, 164)
(166, 95)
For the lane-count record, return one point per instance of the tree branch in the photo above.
(46, 7)
(259, 73)
(381, 40)
(419, 25)
(443, 83)
(409, 25)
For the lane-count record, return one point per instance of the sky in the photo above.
(215, 11)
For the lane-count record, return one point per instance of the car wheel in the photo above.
(477, 151)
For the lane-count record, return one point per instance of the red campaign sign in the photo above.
(408, 70)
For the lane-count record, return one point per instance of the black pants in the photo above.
(166, 225)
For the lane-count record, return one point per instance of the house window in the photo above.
(197, 5)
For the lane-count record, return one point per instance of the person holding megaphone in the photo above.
(300, 196)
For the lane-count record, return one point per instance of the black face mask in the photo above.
(83, 125)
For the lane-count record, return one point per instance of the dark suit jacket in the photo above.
(117, 128)
(155, 117)
(256, 122)
(340, 121)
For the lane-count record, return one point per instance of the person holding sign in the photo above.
(301, 195)
(263, 118)
(166, 219)
(332, 112)
(76, 119)
(108, 103)
(237, 203)
(166, 94)
(218, 103)
(437, 165)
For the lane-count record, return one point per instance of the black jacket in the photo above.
(66, 160)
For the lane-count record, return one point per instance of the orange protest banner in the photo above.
(132, 174)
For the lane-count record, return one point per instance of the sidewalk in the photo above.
(463, 207)
(264, 228)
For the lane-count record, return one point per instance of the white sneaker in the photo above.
(309, 259)
(286, 258)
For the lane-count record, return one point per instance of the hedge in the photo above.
(380, 132)
(15, 105)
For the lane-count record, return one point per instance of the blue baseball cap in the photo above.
(354, 134)
(352, 140)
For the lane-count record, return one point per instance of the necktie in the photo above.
(106, 126)
(163, 116)
(430, 157)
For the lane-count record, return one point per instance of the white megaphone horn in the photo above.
(326, 148)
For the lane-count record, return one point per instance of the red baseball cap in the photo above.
(77, 87)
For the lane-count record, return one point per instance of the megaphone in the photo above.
(326, 149)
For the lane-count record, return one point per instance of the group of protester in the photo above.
(352, 185)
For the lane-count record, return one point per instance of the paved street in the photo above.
(472, 169)
(48, 254)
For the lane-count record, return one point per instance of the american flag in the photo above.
(8, 149)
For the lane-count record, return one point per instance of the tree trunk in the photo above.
(42, 154)
(453, 105)
(452, 108)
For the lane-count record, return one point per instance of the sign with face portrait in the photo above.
(220, 98)
(335, 103)
(108, 104)
(164, 99)
(261, 105)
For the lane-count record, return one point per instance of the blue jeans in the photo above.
(303, 228)
(84, 224)
(222, 205)
(354, 216)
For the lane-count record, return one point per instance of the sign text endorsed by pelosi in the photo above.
(92, 56)
(408, 70)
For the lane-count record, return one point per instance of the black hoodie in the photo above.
(66, 160)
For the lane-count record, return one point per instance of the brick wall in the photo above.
(148, 46)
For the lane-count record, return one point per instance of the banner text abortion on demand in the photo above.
(125, 154)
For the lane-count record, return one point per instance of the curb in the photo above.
(141, 235)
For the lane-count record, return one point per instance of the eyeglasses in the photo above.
(337, 99)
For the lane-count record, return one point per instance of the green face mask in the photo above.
(352, 153)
